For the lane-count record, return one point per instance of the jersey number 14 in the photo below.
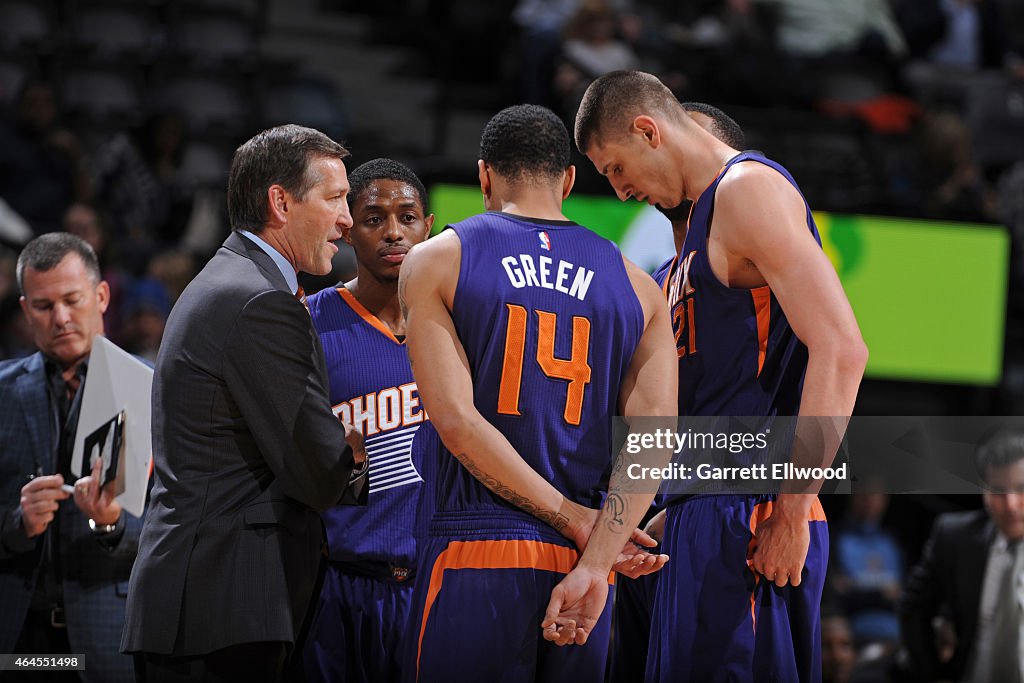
(575, 370)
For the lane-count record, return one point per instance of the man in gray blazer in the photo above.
(64, 557)
(246, 448)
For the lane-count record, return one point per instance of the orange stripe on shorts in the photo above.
(503, 554)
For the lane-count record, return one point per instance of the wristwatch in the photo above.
(100, 529)
(358, 472)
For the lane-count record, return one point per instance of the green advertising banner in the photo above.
(930, 297)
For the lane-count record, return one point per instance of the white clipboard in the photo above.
(114, 421)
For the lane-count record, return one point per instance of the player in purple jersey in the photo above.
(364, 604)
(763, 328)
(528, 333)
(634, 598)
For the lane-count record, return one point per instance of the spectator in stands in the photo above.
(953, 184)
(954, 44)
(174, 268)
(838, 50)
(12, 343)
(541, 27)
(1011, 214)
(82, 219)
(842, 663)
(591, 44)
(837, 651)
(867, 569)
(41, 162)
(810, 28)
(971, 568)
(591, 49)
(727, 48)
(145, 310)
(8, 284)
(137, 179)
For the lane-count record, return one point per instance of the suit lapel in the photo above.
(35, 410)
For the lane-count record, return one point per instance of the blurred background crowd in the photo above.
(118, 119)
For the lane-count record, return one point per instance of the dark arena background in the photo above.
(904, 128)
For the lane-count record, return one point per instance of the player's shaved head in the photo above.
(614, 100)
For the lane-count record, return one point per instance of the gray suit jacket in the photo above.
(246, 453)
(95, 575)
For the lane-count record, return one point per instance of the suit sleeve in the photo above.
(13, 541)
(272, 372)
(923, 595)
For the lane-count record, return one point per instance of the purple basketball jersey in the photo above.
(372, 387)
(549, 321)
(737, 353)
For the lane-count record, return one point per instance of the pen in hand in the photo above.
(66, 488)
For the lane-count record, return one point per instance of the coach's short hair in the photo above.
(526, 142)
(277, 156)
(1000, 448)
(615, 99)
(383, 169)
(47, 251)
(724, 126)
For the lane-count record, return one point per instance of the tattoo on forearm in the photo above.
(617, 508)
(556, 520)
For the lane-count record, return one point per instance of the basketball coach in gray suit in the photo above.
(246, 448)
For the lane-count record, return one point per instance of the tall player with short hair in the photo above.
(528, 333)
(367, 591)
(763, 328)
(634, 598)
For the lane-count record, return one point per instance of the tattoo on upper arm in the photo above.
(403, 286)
(401, 296)
(554, 519)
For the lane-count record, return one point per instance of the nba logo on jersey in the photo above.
(545, 241)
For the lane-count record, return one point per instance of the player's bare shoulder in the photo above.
(440, 248)
(752, 202)
(434, 265)
(752, 180)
